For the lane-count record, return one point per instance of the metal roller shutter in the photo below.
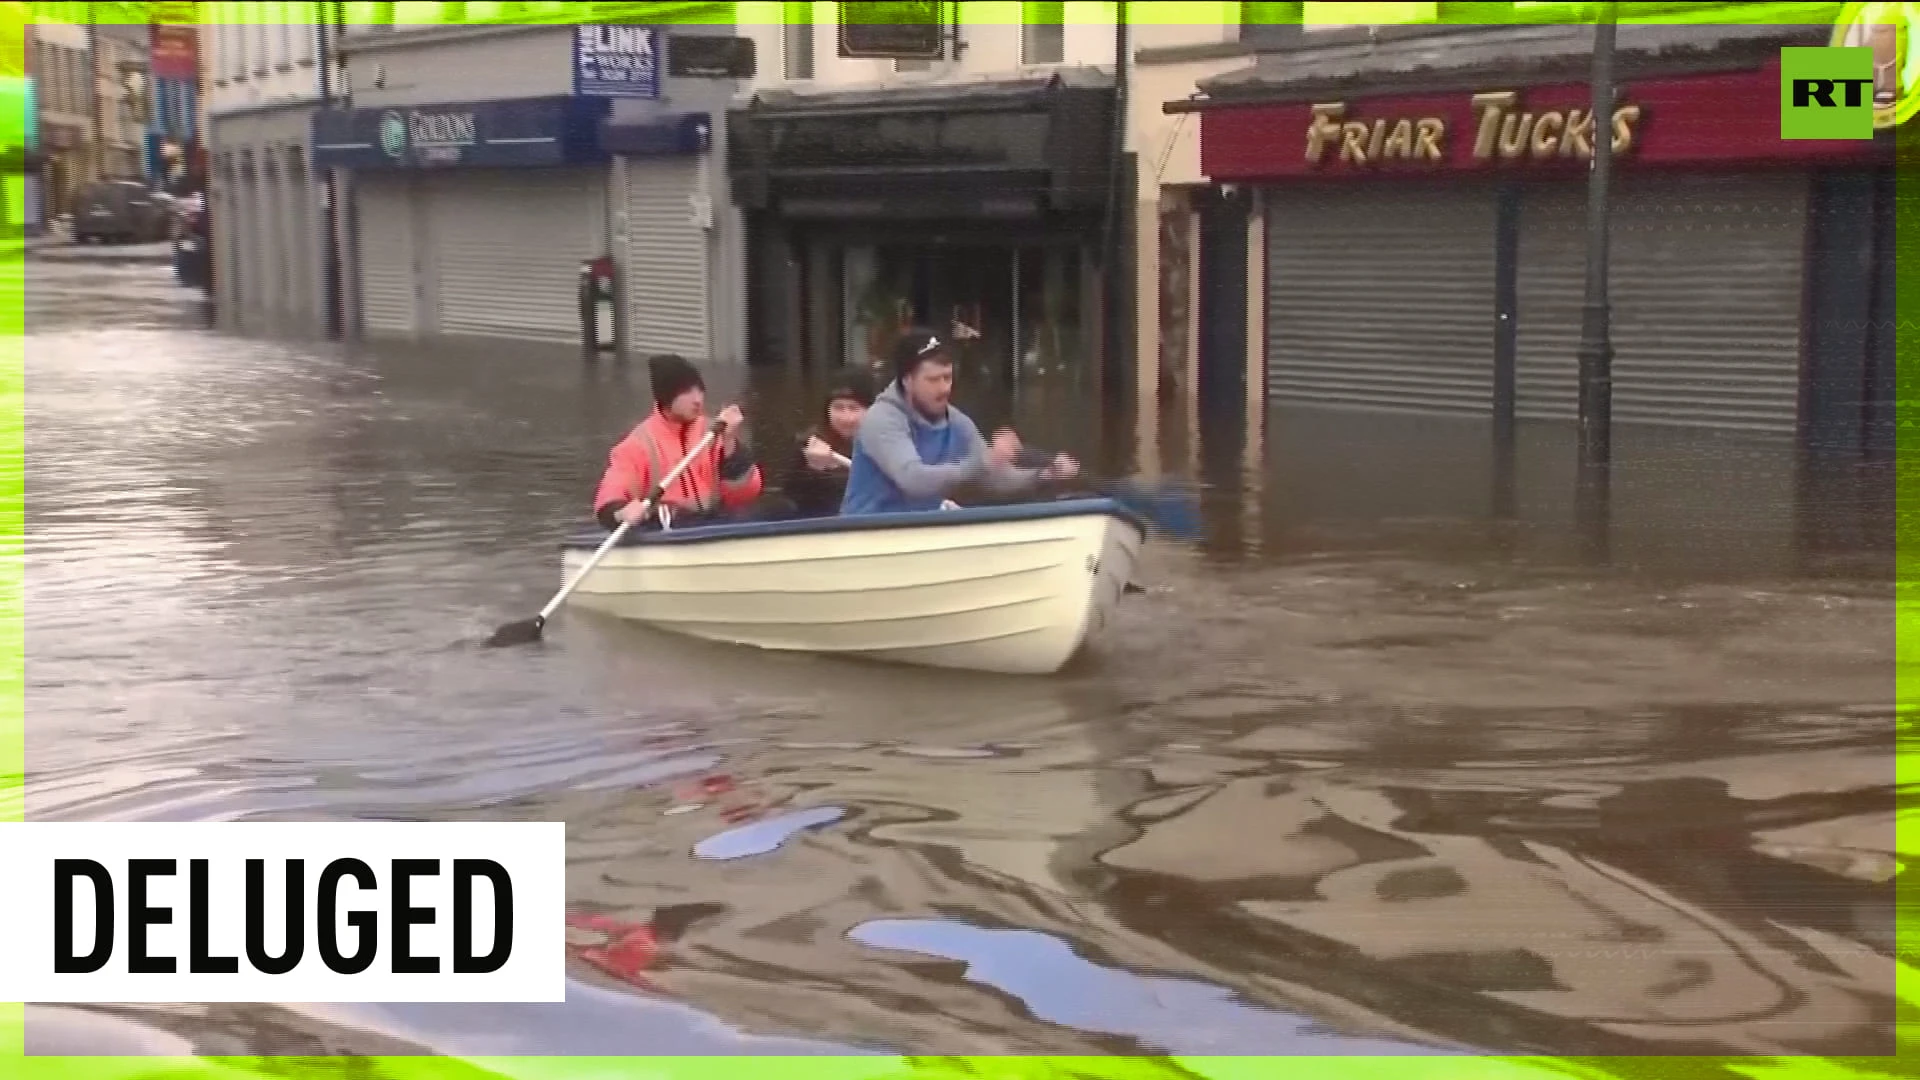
(1550, 281)
(385, 241)
(1382, 297)
(1705, 283)
(507, 247)
(668, 286)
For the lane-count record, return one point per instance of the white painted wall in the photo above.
(259, 54)
(1168, 149)
(65, 35)
(398, 69)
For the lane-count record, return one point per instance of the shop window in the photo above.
(1281, 24)
(796, 40)
(1043, 33)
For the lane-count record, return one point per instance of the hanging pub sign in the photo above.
(709, 56)
(907, 30)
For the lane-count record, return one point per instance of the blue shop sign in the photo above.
(616, 61)
(528, 132)
(661, 136)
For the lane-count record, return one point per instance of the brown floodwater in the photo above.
(1385, 764)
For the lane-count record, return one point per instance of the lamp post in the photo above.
(1594, 485)
(331, 25)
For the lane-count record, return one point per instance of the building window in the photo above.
(309, 31)
(56, 77)
(796, 40)
(287, 15)
(1270, 23)
(48, 77)
(362, 15)
(1043, 33)
(233, 45)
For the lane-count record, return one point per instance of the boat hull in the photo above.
(1015, 590)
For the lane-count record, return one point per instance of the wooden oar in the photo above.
(528, 631)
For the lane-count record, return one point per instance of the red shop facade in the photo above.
(1427, 253)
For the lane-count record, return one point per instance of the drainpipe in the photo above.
(1117, 155)
(1593, 494)
(326, 29)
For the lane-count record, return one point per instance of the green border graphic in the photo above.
(1908, 103)
(14, 1064)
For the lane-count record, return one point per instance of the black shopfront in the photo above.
(871, 211)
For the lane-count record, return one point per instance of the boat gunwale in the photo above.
(590, 539)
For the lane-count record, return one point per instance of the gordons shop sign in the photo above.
(532, 132)
(1503, 129)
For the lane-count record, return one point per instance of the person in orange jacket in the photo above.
(724, 481)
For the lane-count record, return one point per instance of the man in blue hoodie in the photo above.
(914, 448)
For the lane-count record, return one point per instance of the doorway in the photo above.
(1017, 311)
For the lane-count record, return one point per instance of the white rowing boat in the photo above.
(1012, 589)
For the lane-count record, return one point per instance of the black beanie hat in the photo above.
(672, 376)
(914, 346)
(851, 384)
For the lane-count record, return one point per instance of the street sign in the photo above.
(616, 61)
(908, 30)
(709, 56)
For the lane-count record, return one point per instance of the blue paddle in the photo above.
(1174, 513)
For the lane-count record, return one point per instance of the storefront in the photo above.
(670, 263)
(985, 203)
(471, 218)
(1427, 252)
(488, 168)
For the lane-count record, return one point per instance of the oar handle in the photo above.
(646, 503)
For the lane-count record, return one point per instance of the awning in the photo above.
(1449, 59)
(948, 149)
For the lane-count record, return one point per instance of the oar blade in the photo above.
(1174, 513)
(524, 632)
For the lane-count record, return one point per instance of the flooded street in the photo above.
(1329, 787)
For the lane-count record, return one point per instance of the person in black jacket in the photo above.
(816, 474)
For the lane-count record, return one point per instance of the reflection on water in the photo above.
(1158, 1014)
(1366, 771)
(764, 836)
